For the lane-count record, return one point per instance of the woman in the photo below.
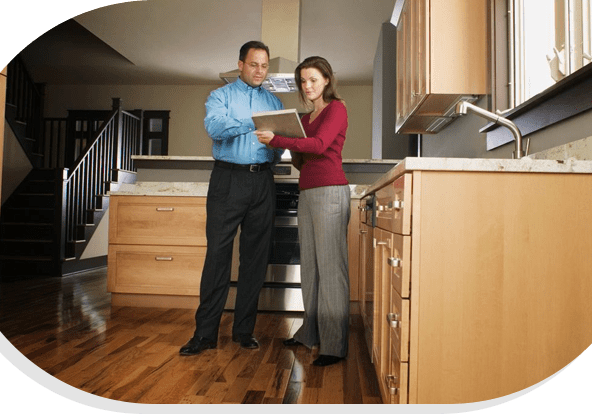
(323, 212)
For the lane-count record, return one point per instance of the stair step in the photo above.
(17, 268)
(27, 248)
(35, 200)
(27, 231)
(28, 214)
(27, 258)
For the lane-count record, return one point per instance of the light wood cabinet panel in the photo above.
(394, 205)
(353, 250)
(366, 277)
(397, 381)
(162, 270)
(441, 58)
(505, 269)
(158, 220)
(398, 324)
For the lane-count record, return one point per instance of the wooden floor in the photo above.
(68, 328)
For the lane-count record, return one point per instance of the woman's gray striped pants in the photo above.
(323, 216)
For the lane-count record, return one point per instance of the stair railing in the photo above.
(111, 150)
(24, 94)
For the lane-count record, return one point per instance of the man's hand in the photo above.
(264, 137)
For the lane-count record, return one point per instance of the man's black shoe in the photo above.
(196, 345)
(246, 341)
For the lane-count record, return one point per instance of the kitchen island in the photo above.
(157, 237)
(475, 275)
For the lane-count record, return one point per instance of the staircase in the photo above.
(27, 239)
(30, 236)
(48, 221)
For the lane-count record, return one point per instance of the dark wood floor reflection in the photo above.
(68, 328)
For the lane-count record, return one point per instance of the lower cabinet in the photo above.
(157, 248)
(487, 294)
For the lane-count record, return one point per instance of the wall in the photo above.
(187, 135)
(461, 139)
(16, 165)
(386, 143)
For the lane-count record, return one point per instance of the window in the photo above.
(549, 40)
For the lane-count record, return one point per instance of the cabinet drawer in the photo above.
(366, 209)
(397, 380)
(163, 270)
(362, 210)
(393, 206)
(399, 264)
(178, 221)
(398, 323)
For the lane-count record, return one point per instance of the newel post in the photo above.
(118, 141)
(60, 218)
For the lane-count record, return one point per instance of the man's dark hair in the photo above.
(253, 44)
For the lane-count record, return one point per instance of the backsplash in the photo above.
(579, 150)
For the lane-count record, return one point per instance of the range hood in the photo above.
(280, 76)
(280, 31)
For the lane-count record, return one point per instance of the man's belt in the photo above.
(245, 167)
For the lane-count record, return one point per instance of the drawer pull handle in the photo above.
(397, 204)
(392, 205)
(393, 320)
(391, 384)
(363, 231)
(165, 209)
(163, 259)
(394, 262)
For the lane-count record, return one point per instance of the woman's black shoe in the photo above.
(291, 342)
(324, 360)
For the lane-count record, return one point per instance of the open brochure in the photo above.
(284, 122)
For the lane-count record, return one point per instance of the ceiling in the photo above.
(191, 41)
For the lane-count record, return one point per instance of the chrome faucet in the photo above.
(463, 107)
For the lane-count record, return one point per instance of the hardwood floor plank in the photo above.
(254, 397)
(69, 329)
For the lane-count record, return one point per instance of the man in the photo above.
(241, 193)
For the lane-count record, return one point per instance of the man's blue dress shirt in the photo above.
(228, 122)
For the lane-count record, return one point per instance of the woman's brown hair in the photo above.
(321, 64)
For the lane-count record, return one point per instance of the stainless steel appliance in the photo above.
(281, 291)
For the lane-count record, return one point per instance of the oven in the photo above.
(281, 290)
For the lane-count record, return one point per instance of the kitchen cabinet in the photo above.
(366, 267)
(441, 58)
(482, 282)
(157, 249)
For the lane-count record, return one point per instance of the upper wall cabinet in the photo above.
(442, 58)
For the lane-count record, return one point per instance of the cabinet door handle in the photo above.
(163, 259)
(391, 383)
(165, 209)
(381, 243)
(394, 262)
(393, 320)
(396, 204)
(363, 231)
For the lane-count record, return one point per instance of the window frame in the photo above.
(565, 99)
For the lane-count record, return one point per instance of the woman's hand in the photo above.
(264, 137)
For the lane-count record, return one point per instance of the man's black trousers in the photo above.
(236, 198)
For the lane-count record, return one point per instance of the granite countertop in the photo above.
(190, 158)
(189, 189)
(524, 165)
